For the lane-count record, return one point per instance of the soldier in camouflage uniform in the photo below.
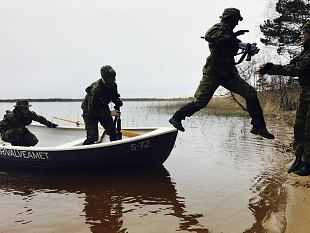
(220, 70)
(300, 67)
(95, 105)
(13, 126)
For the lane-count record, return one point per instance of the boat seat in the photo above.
(77, 142)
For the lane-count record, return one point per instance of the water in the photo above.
(218, 178)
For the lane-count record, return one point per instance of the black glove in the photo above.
(52, 125)
(265, 68)
(240, 32)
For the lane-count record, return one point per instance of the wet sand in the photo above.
(295, 213)
(298, 202)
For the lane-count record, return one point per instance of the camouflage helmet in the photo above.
(108, 75)
(231, 12)
(22, 103)
(306, 27)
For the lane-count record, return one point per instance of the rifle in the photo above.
(248, 50)
(117, 124)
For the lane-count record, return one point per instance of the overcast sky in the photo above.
(56, 48)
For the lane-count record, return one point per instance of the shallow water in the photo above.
(218, 178)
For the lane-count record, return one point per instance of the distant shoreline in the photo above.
(79, 100)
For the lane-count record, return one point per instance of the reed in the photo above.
(271, 102)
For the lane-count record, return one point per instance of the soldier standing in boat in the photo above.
(220, 70)
(298, 67)
(13, 126)
(95, 105)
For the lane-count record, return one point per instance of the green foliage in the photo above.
(284, 30)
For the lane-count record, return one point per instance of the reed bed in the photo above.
(226, 106)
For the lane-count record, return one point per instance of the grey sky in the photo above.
(56, 48)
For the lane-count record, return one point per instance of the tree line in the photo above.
(281, 32)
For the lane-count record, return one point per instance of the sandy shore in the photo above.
(297, 208)
(297, 212)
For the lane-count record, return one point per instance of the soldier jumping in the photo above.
(220, 70)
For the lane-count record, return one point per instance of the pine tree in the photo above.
(284, 30)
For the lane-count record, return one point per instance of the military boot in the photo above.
(304, 170)
(296, 165)
(262, 132)
(186, 111)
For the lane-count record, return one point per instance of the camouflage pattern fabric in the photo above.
(91, 126)
(13, 128)
(223, 46)
(300, 67)
(98, 97)
(19, 137)
(306, 27)
(301, 145)
(220, 70)
(96, 110)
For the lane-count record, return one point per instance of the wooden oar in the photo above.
(124, 132)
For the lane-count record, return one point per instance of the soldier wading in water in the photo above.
(298, 67)
(220, 70)
(95, 105)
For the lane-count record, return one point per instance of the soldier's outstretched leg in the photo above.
(242, 88)
(204, 92)
(186, 111)
(258, 121)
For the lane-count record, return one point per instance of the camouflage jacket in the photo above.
(298, 67)
(223, 46)
(98, 97)
(12, 119)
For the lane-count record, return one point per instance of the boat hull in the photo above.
(145, 150)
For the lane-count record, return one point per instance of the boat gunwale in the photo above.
(156, 131)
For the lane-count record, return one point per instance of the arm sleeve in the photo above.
(41, 119)
(292, 70)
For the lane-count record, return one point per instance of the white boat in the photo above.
(62, 147)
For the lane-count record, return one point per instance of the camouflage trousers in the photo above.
(301, 144)
(91, 126)
(19, 137)
(232, 81)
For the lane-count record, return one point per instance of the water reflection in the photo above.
(109, 197)
(232, 181)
